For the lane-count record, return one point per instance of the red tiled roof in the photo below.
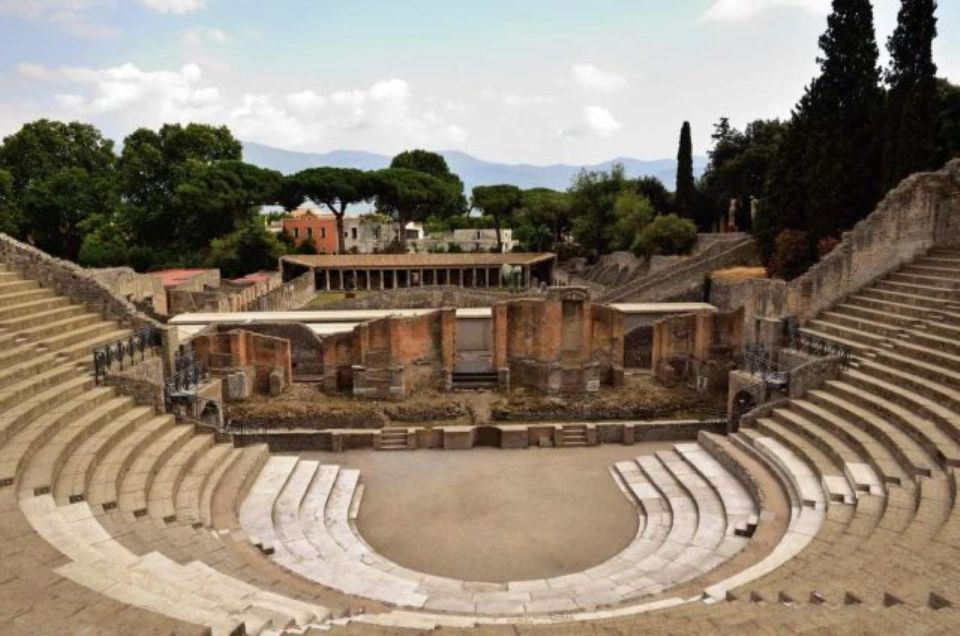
(173, 277)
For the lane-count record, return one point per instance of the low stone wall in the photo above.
(921, 213)
(507, 436)
(143, 290)
(684, 279)
(143, 382)
(71, 280)
(293, 294)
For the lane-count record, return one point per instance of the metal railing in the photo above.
(815, 345)
(757, 360)
(125, 351)
(182, 386)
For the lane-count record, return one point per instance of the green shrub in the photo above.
(665, 235)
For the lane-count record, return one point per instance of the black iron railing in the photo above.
(815, 345)
(757, 360)
(128, 351)
(183, 384)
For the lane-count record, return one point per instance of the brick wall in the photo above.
(239, 349)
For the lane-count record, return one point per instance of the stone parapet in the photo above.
(71, 280)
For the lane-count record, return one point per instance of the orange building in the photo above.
(321, 228)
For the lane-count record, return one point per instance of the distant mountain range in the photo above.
(473, 171)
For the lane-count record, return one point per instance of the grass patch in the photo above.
(738, 274)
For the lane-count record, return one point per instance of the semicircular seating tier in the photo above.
(115, 519)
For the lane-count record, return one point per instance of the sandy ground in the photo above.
(491, 514)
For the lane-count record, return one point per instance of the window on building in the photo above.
(310, 232)
(353, 233)
(323, 232)
(296, 232)
(376, 233)
(478, 235)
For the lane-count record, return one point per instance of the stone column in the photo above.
(486, 277)
(326, 278)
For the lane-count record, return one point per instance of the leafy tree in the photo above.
(336, 188)
(410, 195)
(153, 165)
(948, 121)
(9, 213)
(104, 244)
(666, 235)
(498, 202)
(248, 248)
(657, 193)
(827, 176)
(435, 165)
(57, 175)
(544, 220)
(632, 213)
(740, 164)
(214, 199)
(911, 110)
(593, 196)
(686, 186)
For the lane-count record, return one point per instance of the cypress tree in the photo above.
(686, 188)
(828, 172)
(910, 141)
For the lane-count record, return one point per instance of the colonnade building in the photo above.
(349, 272)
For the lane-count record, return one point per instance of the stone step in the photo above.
(804, 482)
(83, 334)
(31, 294)
(33, 455)
(14, 287)
(739, 507)
(16, 417)
(919, 312)
(231, 483)
(161, 503)
(936, 372)
(907, 451)
(905, 297)
(65, 325)
(926, 321)
(921, 352)
(135, 485)
(30, 366)
(867, 393)
(216, 460)
(927, 280)
(7, 276)
(927, 291)
(863, 447)
(17, 392)
(831, 475)
(916, 391)
(33, 307)
(879, 326)
(102, 488)
(72, 482)
(56, 315)
(941, 270)
(256, 511)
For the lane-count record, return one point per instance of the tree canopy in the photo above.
(498, 202)
(410, 195)
(335, 188)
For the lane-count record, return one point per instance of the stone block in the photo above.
(237, 386)
(276, 382)
(458, 437)
(514, 437)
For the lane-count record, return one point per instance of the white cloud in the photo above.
(732, 10)
(174, 6)
(125, 97)
(593, 78)
(199, 37)
(70, 15)
(527, 100)
(131, 94)
(600, 120)
(597, 122)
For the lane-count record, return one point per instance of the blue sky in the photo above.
(520, 81)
